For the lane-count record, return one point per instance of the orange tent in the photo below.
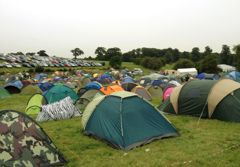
(110, 89)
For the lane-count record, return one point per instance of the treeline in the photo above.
(154, 58)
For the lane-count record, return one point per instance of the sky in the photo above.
(59, 26)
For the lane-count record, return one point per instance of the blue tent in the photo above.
(105, 78)
(235, 75)
(208, 76)
(40, 76)
(157, 82)
(93, 85)
(45, 86)
(127, 79)
(14, 87)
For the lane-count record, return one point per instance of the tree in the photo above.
(30, 53)
(115, 62)
(153, 63)
(42, 53)
(207, 51)
(101, 53)
(77, 52)
(183, 63)
(209, 64)
(236, 49)
(195, 54)
(226, 56)
(111, 52)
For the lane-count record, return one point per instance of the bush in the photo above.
(184, 63)
(115, 62)
(209, 64)
(31, 70)
(48, 70)
(152, 63)
(39, 69)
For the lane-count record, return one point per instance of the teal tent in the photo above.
(125, 120)
(59, 92)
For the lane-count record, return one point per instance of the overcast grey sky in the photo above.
(58, 26)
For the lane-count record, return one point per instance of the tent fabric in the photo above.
(34, 104)
(235, 75)
(63, 109)
(217, 93)
(206, 99)
(155, 91)
(207, 76)
(157, 82)
(128, 86)
(93, 85)
(142, 92)
(125, 121)
(59, 92)
(127, 79)
(24, 143)
(45, 86)
(14, 87)
(174, 97)
(167, 93)
(31, 89)
(107, 90)
(87, 97)
(4, 93)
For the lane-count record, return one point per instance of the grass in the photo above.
(209, 143)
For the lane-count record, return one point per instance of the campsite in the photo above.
(135, 83)
(197, 141)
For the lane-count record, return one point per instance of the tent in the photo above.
(87, 97)
(63, 109)
(128, 86)
(24, 143)
(31, 89)
(167, 92)
(107, 90)
(26, 82)
(105, 78)
(127, 79)
(142, 92)
(155, 91)
(125, 120)
(59, 92)
(190, 71)
(14, 87)
(45, 86)
(208, 76)
(93, 85)
(85, 81)
(234, 75)
(34, 104)
(207, 99)
(3, 93)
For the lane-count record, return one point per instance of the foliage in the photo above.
(39, 69)
(225, 56)
(209, 64)
(42, 53)
(77, 52)
(195, 54)
(152, 63)
(183, 63)
(111, 52)
(115, 62)
(236, 49)
(101, 53)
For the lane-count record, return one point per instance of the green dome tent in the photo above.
(125, 120)
(155, 91)
(206, 99)
(34, 104)
(59, 92)
(4, 93)
(24, 143)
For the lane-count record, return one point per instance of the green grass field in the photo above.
(209, 143)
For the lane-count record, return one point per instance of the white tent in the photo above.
(226, 68)
(191, 71)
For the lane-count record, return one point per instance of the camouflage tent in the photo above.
(24, 143)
